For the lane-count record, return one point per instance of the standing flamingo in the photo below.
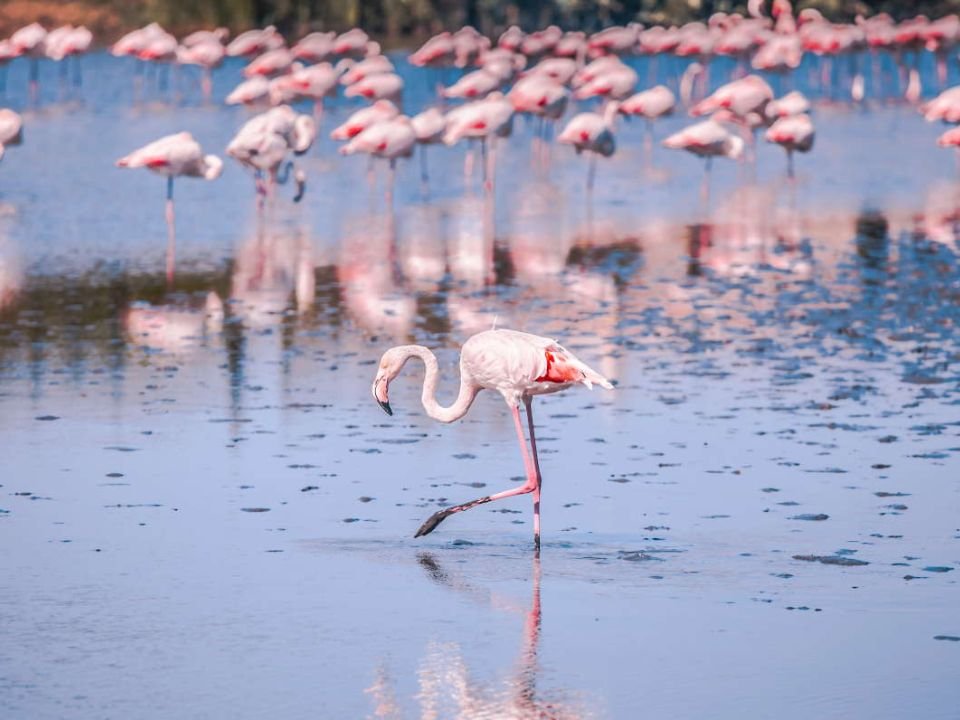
(650, 105)
(389, 139)
(31, 41)
(707, 139)
(11, 129)
(594, 133)
(490, 118)
(429, 127)
(515, 364)
(793, 133)
(264, 142)
(172, 156)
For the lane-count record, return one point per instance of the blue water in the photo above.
(203, 513)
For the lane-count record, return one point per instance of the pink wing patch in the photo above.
(559, 370)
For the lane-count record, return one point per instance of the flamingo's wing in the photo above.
(507, 359)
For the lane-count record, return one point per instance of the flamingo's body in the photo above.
(255, 42)
(374, 65)
(793, 103)
(945, 107)
(650, 104)
(384, 86)
(270, 64)
(254, 91)
(315, 47)
(519, 366)
(706, 139)
(362, 119)
(11, 129)
(476, 84)
(438, 50)
(389, 139)
(741, 97)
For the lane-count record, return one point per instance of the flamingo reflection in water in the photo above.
(445, 686)
(175, 328)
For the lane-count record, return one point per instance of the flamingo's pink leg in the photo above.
(171, 233)
(531, 485)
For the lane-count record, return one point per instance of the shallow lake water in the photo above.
(203, 513)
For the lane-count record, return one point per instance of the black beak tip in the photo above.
(386, 407)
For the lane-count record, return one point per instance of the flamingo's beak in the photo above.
(379, 390)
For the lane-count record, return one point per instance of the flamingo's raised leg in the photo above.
(532, 485)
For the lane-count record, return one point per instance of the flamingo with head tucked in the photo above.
(593, 133)
(519, 366)
(174, 156)
(388, 139)
(793, 133)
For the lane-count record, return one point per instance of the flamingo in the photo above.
(201, 37)
(560, 69)
(315, 47)
(11, 129)
(793, 103)
(616, 83)
(254, 91)
(541, 95)
(650, 104)
(354, 72)
(389, 139)
(314, 83)
(794, 133)
(484, 119)
(270, 64)
(264, 142)
(255, 42)
(438, 50)
(385, 86)
(173, 156)
(594, 133)
(519, 366)
(573, 44)
(476, 84)
(355, 43)
(428, 127)
(68, 41)
(468, 45)
(707, 139)
(362, 119)
(31, 41)
(207, 54)
(945, 107)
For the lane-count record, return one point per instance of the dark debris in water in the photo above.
(950, 638)
(815, 517)
(255, 509)
(832, 560)
(637, 556)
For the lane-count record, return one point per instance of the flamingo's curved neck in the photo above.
(468, 391)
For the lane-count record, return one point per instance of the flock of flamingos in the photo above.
(536, 74)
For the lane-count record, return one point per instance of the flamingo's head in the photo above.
(390, 366)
